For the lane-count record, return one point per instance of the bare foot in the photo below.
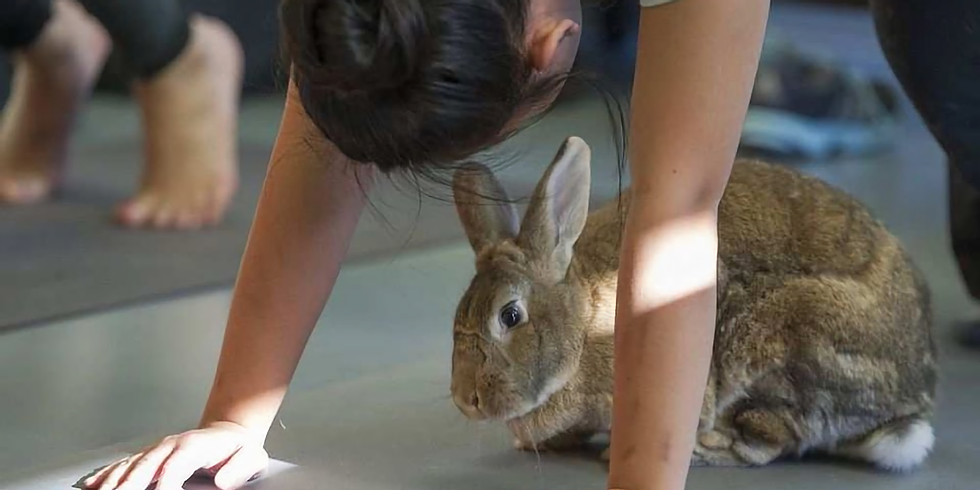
(52, 78)
(190, 115)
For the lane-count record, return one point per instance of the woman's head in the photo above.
(407, 84)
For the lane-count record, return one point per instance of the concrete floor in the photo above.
(369, 404)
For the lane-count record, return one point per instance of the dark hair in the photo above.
(411, 84)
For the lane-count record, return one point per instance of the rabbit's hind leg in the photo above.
(765, 435)
(715, 448)
(757, 437)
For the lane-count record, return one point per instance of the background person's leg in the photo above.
(934, 50)
(148, 34)
(964, 225)
(188, 72)
(57, 51)
(21, 22)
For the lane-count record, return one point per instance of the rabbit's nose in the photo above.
(468, 402)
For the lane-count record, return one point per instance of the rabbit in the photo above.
(823, 338)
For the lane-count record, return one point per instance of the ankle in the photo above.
(71, 40)
(207, 47)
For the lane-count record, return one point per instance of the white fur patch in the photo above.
(552, 387)
(901, 451)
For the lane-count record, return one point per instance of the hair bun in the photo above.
(350, 46)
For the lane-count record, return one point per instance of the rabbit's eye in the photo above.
(511, 316)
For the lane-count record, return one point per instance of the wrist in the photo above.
(248, 434)
(254, 433)
(256, 421)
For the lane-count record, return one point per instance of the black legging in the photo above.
(934, 49)
(147, 34)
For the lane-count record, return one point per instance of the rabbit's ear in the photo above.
(487, 214)
(559, 208)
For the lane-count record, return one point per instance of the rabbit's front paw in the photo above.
(521, 445)
(562, 442)
(567, 441)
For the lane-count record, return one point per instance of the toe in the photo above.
(9, 191)
(136, 212)
(163, 217)
(188, 220)
(27, 190)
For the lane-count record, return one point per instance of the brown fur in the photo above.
(823, 336)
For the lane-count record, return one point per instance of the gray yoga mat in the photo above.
(67, 257)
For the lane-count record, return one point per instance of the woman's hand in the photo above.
(307, 213)
(225, 449)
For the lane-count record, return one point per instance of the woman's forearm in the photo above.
(307, 213)
(695, 67)
(663, 346)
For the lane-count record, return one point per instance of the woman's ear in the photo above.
(547, 40)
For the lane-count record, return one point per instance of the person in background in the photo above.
(187, 79)
(934, 50)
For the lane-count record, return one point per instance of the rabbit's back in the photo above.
(807, 277)
(789, 238)
(771, 219)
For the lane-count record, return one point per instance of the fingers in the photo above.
(175, 459)
(144, 471)
(110, 477)
(98, 477)
(248, 462)
(179, 467)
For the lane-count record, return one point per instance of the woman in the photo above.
(415, 84)
(187, 77)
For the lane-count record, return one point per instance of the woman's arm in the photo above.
(307, 213)
(696, 63)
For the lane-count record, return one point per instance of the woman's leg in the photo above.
(187, 79)
(934, 49)
(57, 51)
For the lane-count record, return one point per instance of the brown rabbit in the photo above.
(823, 338)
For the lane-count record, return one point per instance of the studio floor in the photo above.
(370, 402)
